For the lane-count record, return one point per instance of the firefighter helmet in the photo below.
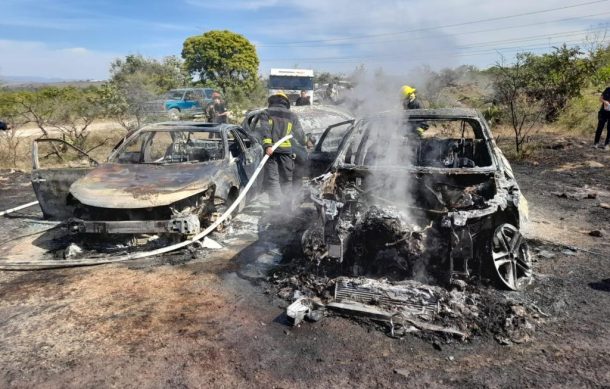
(281, 95)
(407, 91)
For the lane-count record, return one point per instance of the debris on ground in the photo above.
(576, 195)
(596, 233)
(409, 307)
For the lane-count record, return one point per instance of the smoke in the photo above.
(391, 141)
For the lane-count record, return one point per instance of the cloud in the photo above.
(442, 34)
(27, 58)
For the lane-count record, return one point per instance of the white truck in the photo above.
(292, 82)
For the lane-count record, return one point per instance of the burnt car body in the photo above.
(398, 206)
(167, 178)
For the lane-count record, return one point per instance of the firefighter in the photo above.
(278, 121)
(410, 101)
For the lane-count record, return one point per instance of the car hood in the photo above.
(143, 186)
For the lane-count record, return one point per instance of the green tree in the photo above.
(131, 97)
(157, 76)
(556, 77)
(519, 108)
(222, 58)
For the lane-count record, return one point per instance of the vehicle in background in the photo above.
(180, 102)
(292, 82)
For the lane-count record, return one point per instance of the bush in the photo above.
(580, 115)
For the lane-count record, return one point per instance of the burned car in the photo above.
(169, 178)
(398, 205)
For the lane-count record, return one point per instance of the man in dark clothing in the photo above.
(303, 99)
(409, 99)
(278, 121)
(603, 118)
(216, 111)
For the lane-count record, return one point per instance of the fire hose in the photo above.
(18, 208)
(54, 264)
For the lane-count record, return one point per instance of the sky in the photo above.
(77, 40)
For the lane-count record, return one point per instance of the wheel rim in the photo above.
(511, 257)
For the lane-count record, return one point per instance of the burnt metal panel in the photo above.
(143, 186)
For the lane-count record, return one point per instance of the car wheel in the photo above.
(174, 114)
(511, 257)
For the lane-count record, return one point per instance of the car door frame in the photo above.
(321, 161)
(52, 185)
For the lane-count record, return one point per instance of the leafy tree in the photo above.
(131, 97)
(555, 77)
(14, 119)
(513, 95)
(158, 76)
(222, 58)
(68, 110)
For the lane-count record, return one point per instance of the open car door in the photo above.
(326, 148)
(56, 164)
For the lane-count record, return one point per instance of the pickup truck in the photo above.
(186, 100)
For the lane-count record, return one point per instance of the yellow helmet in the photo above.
(280, 94)
(407, 91)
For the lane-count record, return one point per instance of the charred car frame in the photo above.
(398, 206)
(169, 178)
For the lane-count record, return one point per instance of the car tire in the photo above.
(511, 258)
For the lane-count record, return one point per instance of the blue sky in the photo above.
(78, 39)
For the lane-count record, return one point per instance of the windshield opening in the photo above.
(174, 95)
(169, 147)
(410, 142)
(290, 82)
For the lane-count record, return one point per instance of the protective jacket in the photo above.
(278, 121)
(411, 104)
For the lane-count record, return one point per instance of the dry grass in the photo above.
(103, 139)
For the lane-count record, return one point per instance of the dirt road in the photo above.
(209, 321)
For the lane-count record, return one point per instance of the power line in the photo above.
(466, 47)
(445, 53)
(454, 34)
(439, 27)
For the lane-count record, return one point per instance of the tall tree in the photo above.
(222, 58)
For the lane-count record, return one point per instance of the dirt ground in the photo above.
(210, 321)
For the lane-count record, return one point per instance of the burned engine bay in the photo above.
(400, 215)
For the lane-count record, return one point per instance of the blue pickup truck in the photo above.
(187, 101)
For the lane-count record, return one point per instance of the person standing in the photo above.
(278, 121)
(303, 99)
(603, 118)
(409, 98)
(410, 101)
(216, 111)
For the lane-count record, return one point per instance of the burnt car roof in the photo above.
(439, 113)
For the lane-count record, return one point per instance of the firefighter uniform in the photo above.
(410, 101)
(278, 121)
